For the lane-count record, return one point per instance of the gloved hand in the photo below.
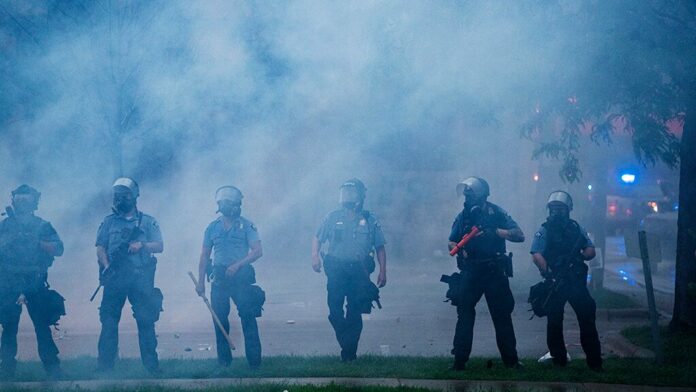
(546, 274)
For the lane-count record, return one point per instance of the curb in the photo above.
(441, 385)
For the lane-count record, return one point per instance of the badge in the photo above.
(362, 222)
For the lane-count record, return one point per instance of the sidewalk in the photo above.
(625, 275)
(439, 385)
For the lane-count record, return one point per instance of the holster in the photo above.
(455, 288)
(506, 261)
(251, 300)
(155, 301)
(54, 307)
(368, 293)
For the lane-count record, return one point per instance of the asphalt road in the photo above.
(414, 320)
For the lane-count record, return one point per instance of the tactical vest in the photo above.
(489, 245)
(563, 243)
(19, 246)
(339, 234)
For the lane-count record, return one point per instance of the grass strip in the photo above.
(607, 299)
(617, 370)
(679, 347)
(252, 388)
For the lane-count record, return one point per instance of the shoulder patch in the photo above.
(252, 227)
(538, 234)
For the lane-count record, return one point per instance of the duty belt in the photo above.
(492, 264)
(481, 262)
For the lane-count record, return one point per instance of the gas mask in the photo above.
(24, 204)
(471, 201)
(558, 214)
(351, 198)
(230, 209)
(123, 202)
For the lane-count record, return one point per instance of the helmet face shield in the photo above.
(560, 197)
(228, 193)
(229, 201)
(475, 191)
(559, 204)
(473, 187)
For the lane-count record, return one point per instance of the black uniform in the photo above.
(483, 272)
(23, 270)
(560, 244)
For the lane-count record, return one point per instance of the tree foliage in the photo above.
(628, 70)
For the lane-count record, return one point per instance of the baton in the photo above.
(467, 237)
(95, 293)
(217, 321)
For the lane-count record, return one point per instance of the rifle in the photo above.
(117, 259)
(217, 321)
(565, 263)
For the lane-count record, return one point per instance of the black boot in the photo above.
(458, 365)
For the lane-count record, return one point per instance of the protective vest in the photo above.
(489, 245)
(19, 245)
(563, 243)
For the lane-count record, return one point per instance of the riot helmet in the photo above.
(25, 199)
(126, 192)
(352, 194)
(229, 201)
(475, 191)
(559, 204)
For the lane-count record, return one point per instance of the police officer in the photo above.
(126, 241)
(559, 250)
(485, 269)
(353, 234)
(236, 245)
(28, 245)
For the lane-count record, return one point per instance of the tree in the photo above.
(88, 59)
(631, 71)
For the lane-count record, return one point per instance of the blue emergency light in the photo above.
(628, 178)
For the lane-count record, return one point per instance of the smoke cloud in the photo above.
(284, 100)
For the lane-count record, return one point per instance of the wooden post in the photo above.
(657, 342)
